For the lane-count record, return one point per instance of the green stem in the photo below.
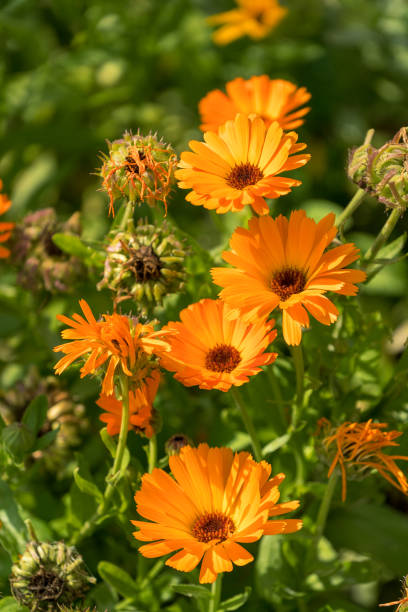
(152, 573)
(297, 355)
(249, 426)
(88, 526)
(152, 453)
(215, 594)
(126, 215)
(350, 208)
(384, 234)
(321, 519)
(278, 397)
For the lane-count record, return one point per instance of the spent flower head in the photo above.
(41, 264)
(356, 448)
(49, 574)
(213, 500)
(138, 168)
(144, 263)
(383, 172)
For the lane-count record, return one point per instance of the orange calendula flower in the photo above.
(254, 18)
(215, 501)
(117, 342)
(357, 447)
(240, 165)
(282, 263)
(140, 408)
(211, 350)
(270, 99)
(5, 227)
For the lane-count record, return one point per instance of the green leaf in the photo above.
(273, 445)
(192, 590)
(393, 248)
(36, 413)
(233, 603)
(87, 486)
(73, 245)
(108, 441)
(17, 440)
(2, 424)
(47, 439)
(12, 527)
(120, 580)
(274, 574)
(353, 527)
(9, 604)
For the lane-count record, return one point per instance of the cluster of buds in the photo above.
(383, 172)
(144, 263)
(63, 413)
(42, 265)
(138, 168)
(49, 574)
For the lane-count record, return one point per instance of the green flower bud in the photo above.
(388, 171)
(138, 168)
(357, 164)
(145, 263)
(49, 574)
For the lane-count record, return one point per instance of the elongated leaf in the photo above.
(393, 248)
(120, 580)
(273, 445)
(108, 441)
(87, 486)
(36, 413)
(12, 527)
(192, 590)
(47, 439)
(73, 245)
(236, 602)
(17, 440)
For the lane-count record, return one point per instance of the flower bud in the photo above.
(49, 574)
(138, 168)
(41, 264)
(145, 263)
(357, 164)
(174, 444)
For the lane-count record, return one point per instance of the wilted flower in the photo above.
(41, 264)
(403, 602)
(48, 574)
(145, 263)
(116, 343)
(141, 416)
(284, 263)
(64, 414)
(254, 18)
(357, 449)
(241, 165)
(211, 349)
(383, 172)
(215, 500)
(138, 168)
(271, 99)
(5, 226)
(174, 444)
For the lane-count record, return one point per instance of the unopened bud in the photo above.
(174, 444)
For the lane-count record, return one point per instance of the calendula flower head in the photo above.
(41, 264)
(144, 263)
(178, 441)
(142, 418)
(271, 99)
(214, 351)
(215, 500)
(116, 344)
(48, 574)
(284, 263)
(138, 168)
(240, 165)
(357, 448)
(383, 172)
(5, 226)
(254, 18)
(403, 602)
(64, 413)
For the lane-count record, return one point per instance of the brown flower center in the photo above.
(222, 358)
(288, 281)
(243, 175)
(213, 526)
(144, 263)
(45, 584)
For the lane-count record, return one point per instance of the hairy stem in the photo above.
(249, 426)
